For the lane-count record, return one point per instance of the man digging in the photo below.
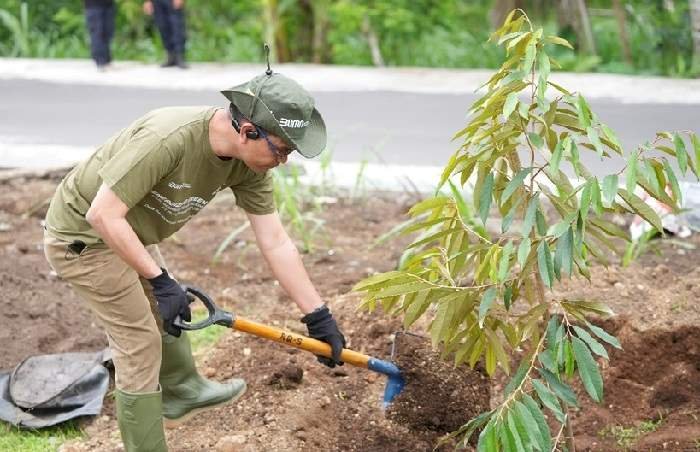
(143, 185)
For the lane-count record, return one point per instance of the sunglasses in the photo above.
(280, 154)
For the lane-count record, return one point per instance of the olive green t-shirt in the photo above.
(163, 168)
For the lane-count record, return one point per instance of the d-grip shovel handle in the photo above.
(220, 317)
(216, 315)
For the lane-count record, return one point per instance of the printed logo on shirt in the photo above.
(293, 123)
(176, 186)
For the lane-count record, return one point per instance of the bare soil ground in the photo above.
(295, 404)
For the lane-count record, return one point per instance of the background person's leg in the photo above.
(179, 35)
(94, 22)
(108, 16)
(161, 15)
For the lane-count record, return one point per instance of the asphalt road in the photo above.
(380, 126)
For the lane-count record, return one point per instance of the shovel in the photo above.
(217, 316)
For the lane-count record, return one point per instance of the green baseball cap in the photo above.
(284, 108)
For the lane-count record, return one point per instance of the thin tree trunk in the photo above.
(373, 42)
(695, 29)
(621, 17)
(586, 32)
(270, 15)
(318, 45)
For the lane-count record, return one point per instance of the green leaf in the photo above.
(675, 187)
(559, 41)
(543, 65)
(485, 198)
(593, 344)
(610, 135)
(485, 305)
(631, 172)
(530, 215)
(588, 370)
(642, 209)
(594, 138)
(514, 183)
(584, 112)
(585, 199)
(504, 264)
(681, 153)
(604, 335)
(416, 308)
(529, 56)
(575, 161)
(379, 279)
(535, 139)
(540, 222)
(543, 427)
(544, 263)
(517, 432)
(509, 105)
(430, 203)
(556, 156)
(564, 252)
(518, 377)
(548, 399)
(524, 251)
(562, 390)
(530, 425)
(595, 196)
(510, 216)
(556, 230)
(609, 189)
(402, 289)
(696, 146)
(487, 438)
(595, 307)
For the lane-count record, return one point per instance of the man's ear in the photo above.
(249, 131)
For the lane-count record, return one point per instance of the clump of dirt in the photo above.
(437, 395)
(288, 376)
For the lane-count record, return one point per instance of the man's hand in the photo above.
(178, 4)
(172, 302)
(148, 8)
(322, 326)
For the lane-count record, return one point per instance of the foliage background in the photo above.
(448, 33)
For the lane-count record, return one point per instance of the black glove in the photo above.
(172, 302)
(322, 326)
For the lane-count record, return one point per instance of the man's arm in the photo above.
(283, 258)
(107, 215)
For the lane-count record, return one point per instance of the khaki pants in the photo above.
(124, 305)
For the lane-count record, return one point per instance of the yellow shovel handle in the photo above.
(298, 341)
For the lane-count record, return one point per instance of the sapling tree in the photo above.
(489, 293)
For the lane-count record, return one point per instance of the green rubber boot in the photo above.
(140, 421)
(185, 392)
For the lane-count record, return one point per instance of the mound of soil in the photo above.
(437, 396)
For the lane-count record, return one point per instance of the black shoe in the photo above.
(180, 61)
(170, 62)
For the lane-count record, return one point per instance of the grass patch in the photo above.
(203, 339)
(625, 437)
(44, 440)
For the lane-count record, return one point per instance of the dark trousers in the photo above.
(171, 25)
(100, 24)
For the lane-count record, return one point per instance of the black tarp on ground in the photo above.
(46, 390)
